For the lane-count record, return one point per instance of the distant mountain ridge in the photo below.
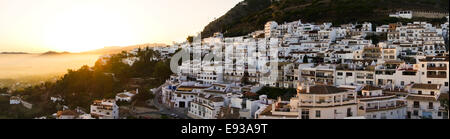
(50, 53)
(105, 50)
(13, 53)
(251, 15)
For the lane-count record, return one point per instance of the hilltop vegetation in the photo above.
(251, 15)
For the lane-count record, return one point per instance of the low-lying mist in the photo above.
(15, 66)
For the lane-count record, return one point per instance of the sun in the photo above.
(87, 29)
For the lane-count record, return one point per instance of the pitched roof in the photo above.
(217, 99)
(427, 86)
(67, 112)
(123, 96)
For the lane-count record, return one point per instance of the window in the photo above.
(380, 81)
(402, 83)
(383, 116)
(305, 114)
(419, 92)
(429, 82)
(349, 112)
(340, 74)
(446, 84)
(317, 114)
(416, 113)
(430, 105)
(432, 92)
(349, 74)
(416, 104)
(439, 114)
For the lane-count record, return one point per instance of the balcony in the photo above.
(437, 68)
(360, 77)
(437, 76)
(324, 76)
(390, 107)
(304, 74)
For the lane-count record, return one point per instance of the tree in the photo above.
(143, 96)
(190, 39)
(376, 38)
(162, 71)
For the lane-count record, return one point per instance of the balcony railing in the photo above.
(437, 76)
(437, 68)
(323, 76)
(303, 74)
(399, 105)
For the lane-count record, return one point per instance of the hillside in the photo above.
(251, 15)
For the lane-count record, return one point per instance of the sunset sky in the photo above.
(80, 25)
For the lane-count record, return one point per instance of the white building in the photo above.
(205, 106)
(270, 29)
(126, 96)
(66, 114)
(14, 100)
(382, 29)
(314, 102)
(374, 104)
(130, 60)
(56, 99)
(435, 70)
(423, 102)
(402, 14)
(184, 95)
(249, 107)
(105, 109)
